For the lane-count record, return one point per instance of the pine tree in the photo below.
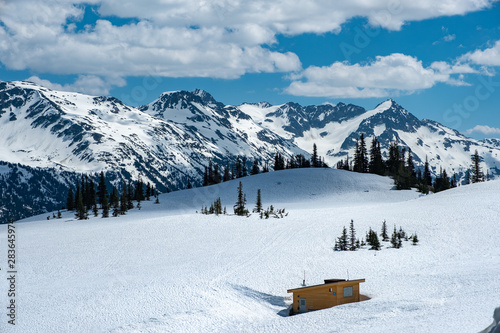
(376, 164)
(384, 235)
(477, 173)
(352, 239)
(394, 239)
(372, 240)
(342, 240)
(314, 157)
(189, 184)
(415, 239)
(70, 200)
(59, 215)
(81, 212)
(279, 162)
(255, 167)
(148, 191)
(101, 189)
(394, 160)
(427, 173)
(139, 190)
(258, 205)
(105, 207)
(239, 207)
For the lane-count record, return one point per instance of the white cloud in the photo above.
(390, 75)
(87, 84)
(449, 38)
(483, 129)
(230, 37)
(487, 57)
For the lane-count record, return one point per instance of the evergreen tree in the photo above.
(239, 207)
(255, 167)
(279, 162)
(101, 189)
(258, 205)
(372, 240)
(427, 173)
(394, 160)
(352, 238)
(360, 156)
(59, 215)
(70, 200)
(376, 164)
(477, 173)
(105, 207)
(148, 191)
(342, 241)
(189, 184)
(81, 212)
(384, 235)
(394, 238)
(139, 190)
(414, 239)
(314, 157)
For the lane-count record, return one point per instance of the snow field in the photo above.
(167, 269)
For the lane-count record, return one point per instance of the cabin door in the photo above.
(303, 306)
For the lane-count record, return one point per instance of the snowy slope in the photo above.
(168, 269)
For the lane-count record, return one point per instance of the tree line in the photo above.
(91, 197)
(400, 166)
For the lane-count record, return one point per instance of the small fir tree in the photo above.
(352, 238)
(414, 239)
(239, 207)
(384, 235)
(258, 205)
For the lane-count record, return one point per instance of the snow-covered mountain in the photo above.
(164, 143)
(174, 137)
(335, 128)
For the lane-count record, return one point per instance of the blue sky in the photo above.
(438, 60)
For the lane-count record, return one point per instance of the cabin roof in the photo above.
(327, 283)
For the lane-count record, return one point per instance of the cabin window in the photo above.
(330, 290)
(347, 291)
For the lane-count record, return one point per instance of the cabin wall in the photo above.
(322, 298)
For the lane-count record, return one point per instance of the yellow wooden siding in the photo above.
(320, 297)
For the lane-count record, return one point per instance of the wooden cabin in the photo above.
(333, 292)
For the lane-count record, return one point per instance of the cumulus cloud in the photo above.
(487, 57)
(390, 75)
(483, 129)
(86, 84)
(185, 38)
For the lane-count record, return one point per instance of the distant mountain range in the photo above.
(47, 138)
